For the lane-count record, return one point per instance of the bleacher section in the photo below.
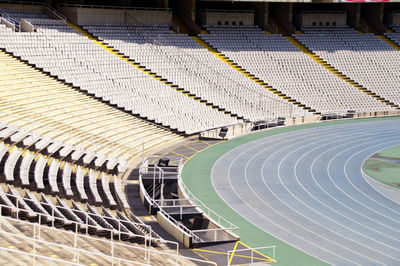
(80, 105)
(282, 65)
(32, 100)
(395, 35)
(364, 57)
(52, 243)
(181, 60)
(67, 54)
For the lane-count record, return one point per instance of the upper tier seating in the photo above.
(282, 65)
(16, 14)
(365, 58)
(62, 51)
(394, 36)
(185, 63)
(33, 101)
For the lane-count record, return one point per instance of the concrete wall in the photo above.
(323, 19)
(353, 14)
(80, 15)
(173, 230)
(261, 11)
(396, 18)
(226, 18)
(7, 23)
(71, 13)
(26, 26)
(21, 7)
(373, 14)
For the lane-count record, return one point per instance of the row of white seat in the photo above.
(282, 65)
(365, 58)
(89, 221)
(160, 103)
(181, 60)
(37, 159)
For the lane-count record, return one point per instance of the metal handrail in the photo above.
(169, 217)
(77, 251)
(188, 194)
(193, 202)
(64, 262)
(56, 135)
(145, 238)
(55, 12)
(146, 250)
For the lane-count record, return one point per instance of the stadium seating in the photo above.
(84, 178)
(364, 57)
(394, 36)
(20, 240)
(181, 60)
(274, 59)
(54, 110)
(67, 54)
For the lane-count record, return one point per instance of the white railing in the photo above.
(223, 225)
(147, 238)
(36, 258)
(212, 215)
(88, 142)
(74, 239)
(64, 250)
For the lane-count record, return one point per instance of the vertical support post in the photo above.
(273, 252)
(76, 241)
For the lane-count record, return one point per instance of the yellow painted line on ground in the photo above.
(147, 218)
(191, 148)
(179, 154)
(258, 252)
(224, 253)
(209, 145)
(206, 142)
(233, 253)
(132, 182)
(201, 256)
(211, 251)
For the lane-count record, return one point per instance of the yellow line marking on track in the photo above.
(233, 253)
(224, 253)
(258, 252)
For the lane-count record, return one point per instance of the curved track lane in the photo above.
(306, 188)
